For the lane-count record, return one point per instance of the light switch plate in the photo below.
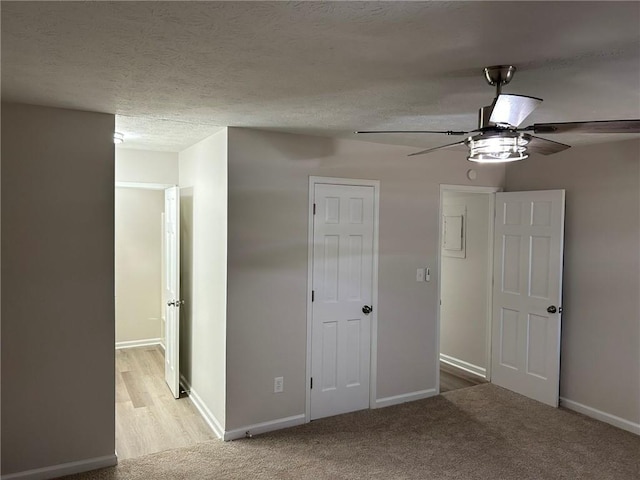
(278, 384)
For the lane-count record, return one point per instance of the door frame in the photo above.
(163, 300)
(313, 181)
(154, 186)
(491, 191)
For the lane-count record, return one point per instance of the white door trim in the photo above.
(152, 186)
(313, 181)
(146, 186)
(492, 206)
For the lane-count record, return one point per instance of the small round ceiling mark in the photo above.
(472, 174)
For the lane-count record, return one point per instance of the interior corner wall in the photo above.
(138, 260)
(465, 285)
(203, 272)
(600, 353)
(57, 287)
(267, 263)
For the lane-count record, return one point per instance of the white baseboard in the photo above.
(600, 415)
(264, 427)
(138, 343)
(209, 417)
(462, 365)
(255, 429)
(405, 397)
(63, 469)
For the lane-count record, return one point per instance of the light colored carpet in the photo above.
(481, 432)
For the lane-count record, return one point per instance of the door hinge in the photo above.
(314, 208)
(311, 382)
(313, 295)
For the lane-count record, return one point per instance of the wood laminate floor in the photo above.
(148, 418)
(452, 378)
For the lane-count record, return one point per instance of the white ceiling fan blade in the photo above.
(513, 109)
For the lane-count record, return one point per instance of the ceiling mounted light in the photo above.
(118, 137)
(498, 147)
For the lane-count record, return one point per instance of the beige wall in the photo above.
(601, 320)
(267, 269)
(57, 287)
(464, 287)
(203, 216)
(146, 166)
(138, 242)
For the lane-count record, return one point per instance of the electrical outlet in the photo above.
(278, 384)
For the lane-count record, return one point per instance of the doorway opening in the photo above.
(148, 417)
(466, 267)
(519, 304)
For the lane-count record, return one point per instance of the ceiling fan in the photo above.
(498, 137)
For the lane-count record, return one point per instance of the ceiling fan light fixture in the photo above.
(506, 147)
(500, 138)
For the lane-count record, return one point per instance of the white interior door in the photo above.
(527, 293)
(172, 286)
(342, 291)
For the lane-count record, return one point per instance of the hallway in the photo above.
(452, 378)
(148, 418)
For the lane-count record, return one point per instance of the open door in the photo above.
(527, 293)
(172, 286)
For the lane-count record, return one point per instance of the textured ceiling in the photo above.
(175, 72)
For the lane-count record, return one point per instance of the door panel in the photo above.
(528, 251)
(342, 284)
(172, 294)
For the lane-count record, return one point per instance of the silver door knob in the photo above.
(172, 303)
(367, 309)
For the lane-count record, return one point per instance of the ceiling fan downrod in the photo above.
(499, 75)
